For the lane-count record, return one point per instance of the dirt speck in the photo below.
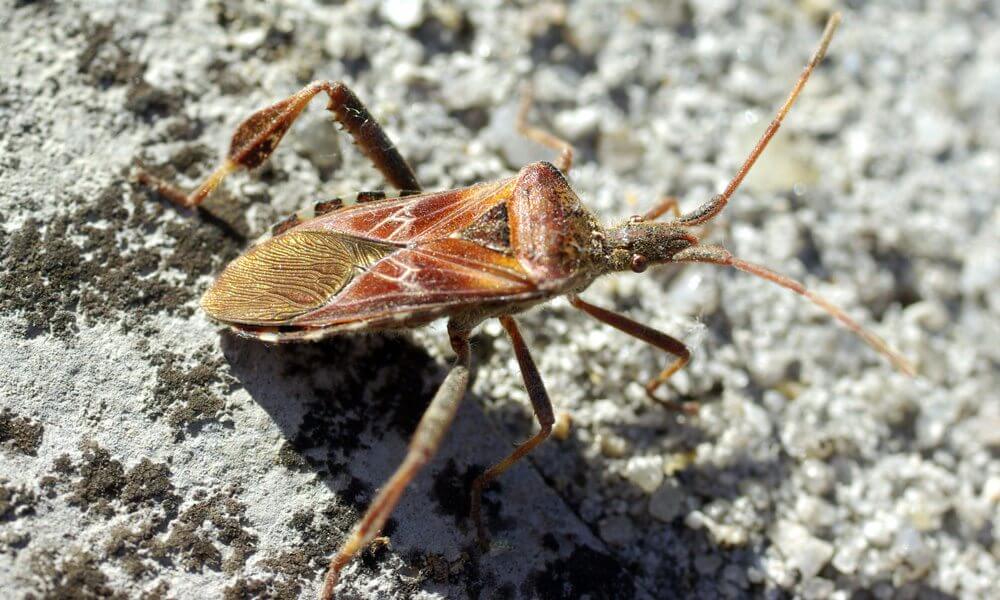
(16, 501)
(218, 517)
(187, 394)
(148, 483)
(20, 434)
(53, 273)
(290, 458)
(291, 572)
(105, 59)
(101, 479)
(77, 576)
(584, 573)
(451, 488)
(151, 102)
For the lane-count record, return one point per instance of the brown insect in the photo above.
(489, 250)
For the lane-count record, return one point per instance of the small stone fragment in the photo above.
(707, 564)
(878, 532)
(818, 476)
(617, 530)
(611, 445)
(817, 588)
(674, 463)
(849, 555)
(645, 471)
(563, 426)
(814, 511)
(911, 548)
(667, 502)
(802, 551)
(404, 14)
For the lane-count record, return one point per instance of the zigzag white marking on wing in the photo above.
(472, 199)
(402, 219)
(409, 278)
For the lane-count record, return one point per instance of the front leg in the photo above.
(259, 135)
(664, 205)
(423, 446)
(650, 336)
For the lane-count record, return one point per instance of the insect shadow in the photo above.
(334, 398)
(346, 407)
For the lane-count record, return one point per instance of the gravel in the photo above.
(147, 454)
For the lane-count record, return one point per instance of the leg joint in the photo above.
(545, 422)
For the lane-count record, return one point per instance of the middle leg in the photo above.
(543, 412)
(543, 137)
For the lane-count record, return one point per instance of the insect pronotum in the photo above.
(488, 250)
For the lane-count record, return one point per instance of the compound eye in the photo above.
(639, 263)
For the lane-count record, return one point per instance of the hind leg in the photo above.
(424, 444)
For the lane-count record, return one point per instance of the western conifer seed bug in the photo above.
(488, 250)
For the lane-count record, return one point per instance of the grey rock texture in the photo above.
(146, 454)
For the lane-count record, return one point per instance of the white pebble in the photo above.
(645, 471)
(911, 547)
(817, 588)
(879, 532)
(814, 511)
(404, 14)
(849, 555)
(818, 475)
(578, 122)
(802, 551)
(695, 520)
(991, 490)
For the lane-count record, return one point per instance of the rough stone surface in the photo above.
(145, 453)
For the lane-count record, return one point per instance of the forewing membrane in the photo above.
(289, 275)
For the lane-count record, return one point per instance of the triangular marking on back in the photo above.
(491, 229)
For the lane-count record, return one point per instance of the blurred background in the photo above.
(147, 454)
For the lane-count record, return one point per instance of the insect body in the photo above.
(465, 254)
(489, 250)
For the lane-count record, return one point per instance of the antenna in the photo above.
(715, 254)
(708, 210)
